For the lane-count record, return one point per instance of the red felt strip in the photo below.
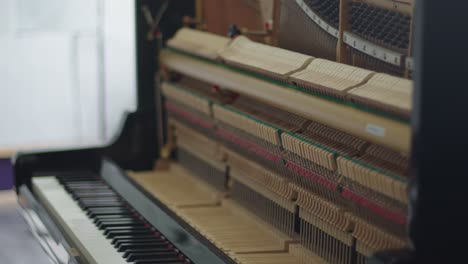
(311, 175)
(249, 145)
(188, 116)
(395, 217)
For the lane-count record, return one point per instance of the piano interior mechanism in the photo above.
(291, 145)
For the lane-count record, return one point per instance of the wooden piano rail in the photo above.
(374, 128)
(9, 152)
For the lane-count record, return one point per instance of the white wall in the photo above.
(67, 70)
(120, 61)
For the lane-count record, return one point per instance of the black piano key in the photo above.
(100, 215)
(158, 255)
(90, 201)
(109, 197)
(107, 209)
(99, 221)
(96, 189)
(130, 223)
(138, 240)
(98, 205)
(116, 239)
(116, 217)
(113, 217)
(94, 212)
(148, 250)
(117, 221)
(115, 233)
(94, 181)
(161, 261)
(76, 187)
(153, 245)
(87, 205)
(90, 182)
(115, 197)
(95, 197)
(125, 228)
(85, 194)
(84, 186)
(109, 218)
(79, 175)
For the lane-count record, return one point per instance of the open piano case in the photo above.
(250, 153)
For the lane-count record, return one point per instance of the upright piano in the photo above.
(307, 142)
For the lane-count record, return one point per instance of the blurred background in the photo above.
(67, 73)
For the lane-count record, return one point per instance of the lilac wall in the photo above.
(6, 174)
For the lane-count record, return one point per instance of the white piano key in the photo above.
(91, 242)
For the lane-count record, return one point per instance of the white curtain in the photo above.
(67, 71)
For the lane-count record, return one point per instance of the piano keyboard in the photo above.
(102, 226)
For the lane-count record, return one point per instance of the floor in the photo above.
(17, 244)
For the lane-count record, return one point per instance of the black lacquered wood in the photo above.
(438, 196)
(440, 132)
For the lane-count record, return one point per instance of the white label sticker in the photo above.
(409, 63)
(375, 130)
